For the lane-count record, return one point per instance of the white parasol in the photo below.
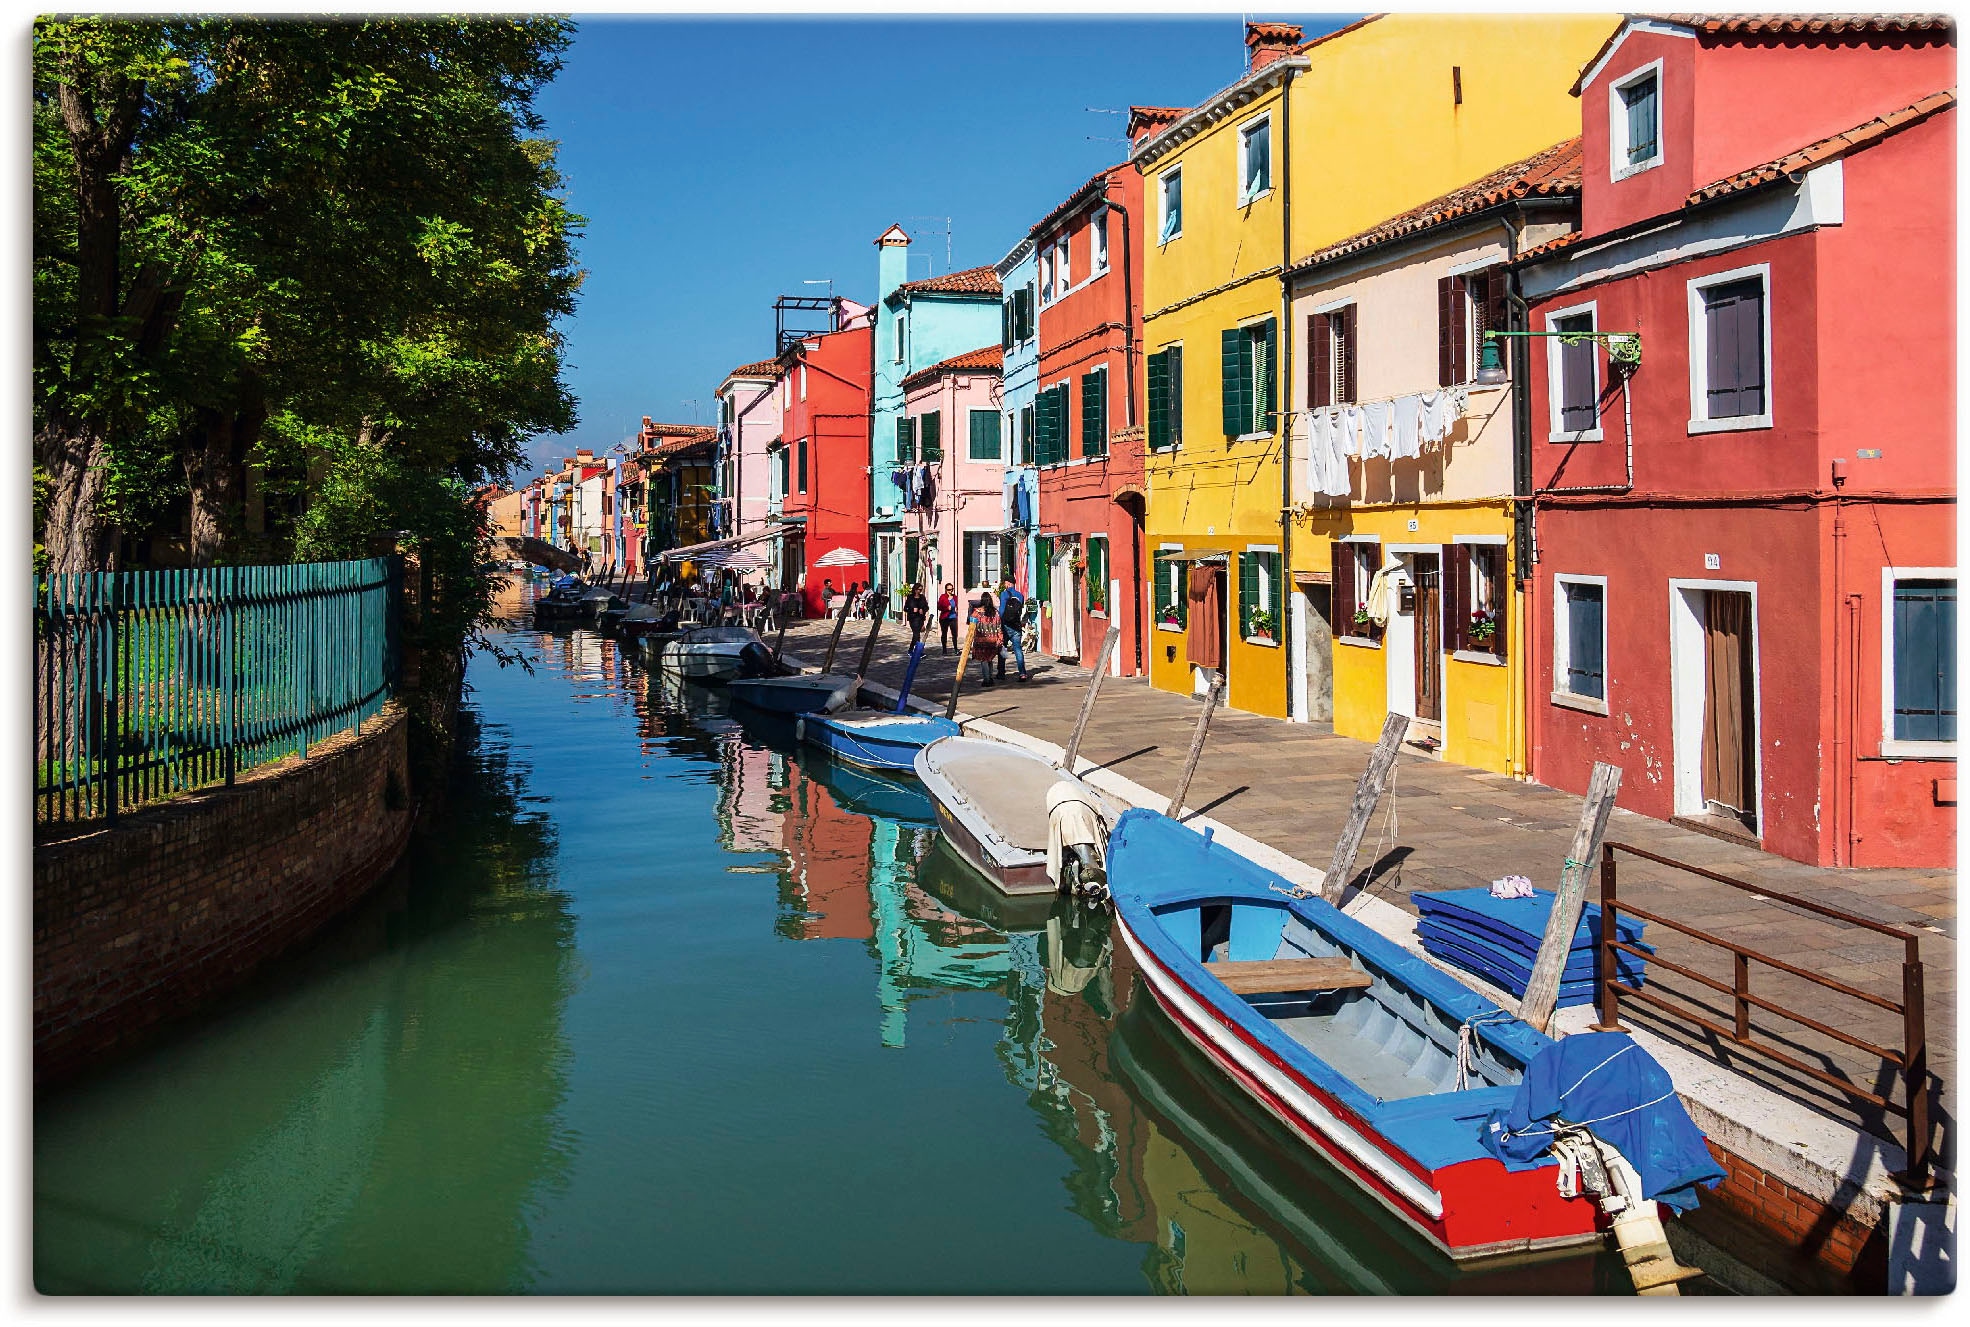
(842, 557)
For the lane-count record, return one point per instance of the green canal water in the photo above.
(668, 1004)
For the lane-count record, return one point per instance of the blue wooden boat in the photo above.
(1342, 1035)
(888, 742)
(802, 693)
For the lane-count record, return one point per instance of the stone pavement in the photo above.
(1450, 827)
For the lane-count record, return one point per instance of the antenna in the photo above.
(947, 235)
(827, 281)
(694, 404)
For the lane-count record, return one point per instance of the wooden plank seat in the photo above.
(1273, 975)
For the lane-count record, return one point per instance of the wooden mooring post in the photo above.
(876, 606)
(1367, 792)
(841, 620)
(780, 641)
(1543, 988)
(1108, 644)
(1175, 809)
(957, 678)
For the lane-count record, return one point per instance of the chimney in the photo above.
(893, 263)
(1148, 121)
(1266, 42)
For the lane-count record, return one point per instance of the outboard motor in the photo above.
(1076, 860)
(755, 660)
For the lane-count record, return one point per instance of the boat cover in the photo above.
(1512, 971)
(1608, 1084)
(1517, 921)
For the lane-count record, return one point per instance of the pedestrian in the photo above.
(916, 608)
(947, 618)
(828, 596)
(986, 634)
(1012, 616)
(855, 599)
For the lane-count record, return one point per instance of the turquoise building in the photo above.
(1019, 335)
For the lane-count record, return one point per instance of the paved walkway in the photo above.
(1450, 827)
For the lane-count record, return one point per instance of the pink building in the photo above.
(749, 410)
(951, 492)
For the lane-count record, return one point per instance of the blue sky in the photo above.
(721, 163)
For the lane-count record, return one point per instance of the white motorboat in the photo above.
(708, 654)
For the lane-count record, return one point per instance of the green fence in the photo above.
(151, 683)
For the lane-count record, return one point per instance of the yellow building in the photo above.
(1319, 140)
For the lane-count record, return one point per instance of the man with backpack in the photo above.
(1012, 615)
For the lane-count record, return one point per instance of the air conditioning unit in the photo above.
(885, 511)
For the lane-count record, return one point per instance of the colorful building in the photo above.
(1088, 443)
(1403, 466)
(918, 324)
(948, 478)
(748, 420)
(680, 460)
(1452, 99)
(1019, 338)
(1741, 436)
(817, 492)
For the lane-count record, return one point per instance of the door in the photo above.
(1204, 637)
(1065, 604)
(1429, 637)
(1730, 738)
(912, 564)
(1316, 651)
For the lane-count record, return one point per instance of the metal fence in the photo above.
(149, 684)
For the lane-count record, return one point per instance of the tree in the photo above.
(268, 243)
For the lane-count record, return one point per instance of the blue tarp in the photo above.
(1606, 1083)
(1511, 971)
(1499, 938)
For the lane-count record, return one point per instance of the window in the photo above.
(1051, 445)
(776, 475)
(803, 382)
(1166, 398)
(1355, 563)
(899, 338)
(1330, 357)
(1730, 351)
(1024, 453)
(1635, 122)
(1467, 307)
(1094, 413)
(1254, 159)
(1046, 275)
(1573, 369)
(1580, 640)
(1063, 269)
(803, 465)
(1169, 189)
(981, 558)
(930, 437)
(1248, 378)
(1006, 337)
(1258, 596)
(906, 441)
(1023, 312)
(1172, 580)
(984, 440)
(1095, 575)
(1098, 243)
(1919, 691)
(1475, 598)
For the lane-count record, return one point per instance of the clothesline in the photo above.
(1398, 429)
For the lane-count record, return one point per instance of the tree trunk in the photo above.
(76, 537)
(215, 473)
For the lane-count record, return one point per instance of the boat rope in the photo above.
(1467, 1044)
(1391, 826)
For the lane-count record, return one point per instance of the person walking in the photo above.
(947, 618)
(828, 596)
(1012, 616)
(986, 635)
(917, 609)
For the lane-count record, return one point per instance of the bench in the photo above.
(1271, 976)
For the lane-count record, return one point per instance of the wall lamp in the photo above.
(1624, 351)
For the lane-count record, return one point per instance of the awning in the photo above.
(1192, 554)
(696, 550)
(1313, 578)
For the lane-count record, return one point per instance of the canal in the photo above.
(668, 1004)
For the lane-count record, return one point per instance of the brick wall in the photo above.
(1812, 1235)
(143, 922)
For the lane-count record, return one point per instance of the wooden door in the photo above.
(1730, 736)
(1429, 637)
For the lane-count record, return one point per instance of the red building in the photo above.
(1088, 443)
(1745, 584)
(818, 473)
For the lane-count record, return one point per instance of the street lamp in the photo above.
(1624, 351)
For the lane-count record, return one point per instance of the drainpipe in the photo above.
(1283, 421)
(1524, 551)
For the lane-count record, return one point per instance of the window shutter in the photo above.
(1501, 601)
(906, 441)
(1090, 425)
(1460, 321)
(930, 437)
(984, 435)
(970, 572)
(1455, 561)
(1446, 323)
(1026, 313)
(1158, 375)
(1266, 382)
(1577, 405)
(1344, 390)
(1042, 570)
(1320, 361)
(1173, 395)
(1028, 441)
(803, 464)
(1236, 385)
(1005, 324)
(1248, 591)
(1343, 592)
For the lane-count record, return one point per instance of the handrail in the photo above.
(1911, 1060)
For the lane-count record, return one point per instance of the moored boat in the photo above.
(708, 654)
(887, 742)
(991, 801)
(801, 693)
(1350, 1041)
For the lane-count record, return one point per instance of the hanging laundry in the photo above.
(1383, 594)
(929, 490)
(1349, 417)
(1408, 444)
(1330, 444)
(901, 478)
(1377, 416)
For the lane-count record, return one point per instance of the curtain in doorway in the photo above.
(1729, 745)
(1204, 639)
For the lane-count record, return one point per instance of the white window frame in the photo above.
(1890, 744)
(1500, 542)
(1355, 543)
(803, 382)
(1182, 585)
(899, 338)
(1700, 351)
(1245, 132)
(1563, 647)
(1556, 384)
(1098, 243)
(1063, 270)
(991, 539)
(1265, 595)
(1163, 202)
(1046, 275)
(1617, 119)
(1108, 565)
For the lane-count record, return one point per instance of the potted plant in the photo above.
(1260, 624)
(1097, 599)
(1484, 626)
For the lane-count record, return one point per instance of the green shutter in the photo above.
(930, 438)
(1042, 570)
(970, 575)
(1096, 577)
(1268, 380)
(984, 435)
(1159, 399)
(1236, 387)
(1248, 591)
(1042, 426)
(906, 441)
(1094, 413)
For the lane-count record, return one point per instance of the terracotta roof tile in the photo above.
(1549, 173)
(971, 281)
(1273, 34)
(1152, 117)
(1828, 149)
(1325, 37)
(1739, 27)
(1097, 183)
(759, 368)
(985, 359)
